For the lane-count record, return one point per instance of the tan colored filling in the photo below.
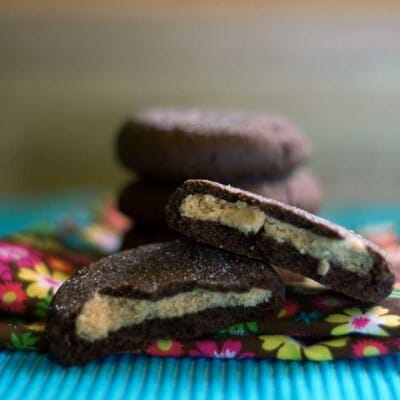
(103, 314)
(350, 252)
(239, 215)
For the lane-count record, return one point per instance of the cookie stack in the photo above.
(261, 153)
(223, 275)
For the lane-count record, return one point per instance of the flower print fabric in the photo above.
(164, 348)
(41, 281)
(288, 348)
(5, 273)
(18, 254)
(12, 297)
(241, 329)
(370, 322)
(289, 309)
(32, 268)
(330, 302)
(313, 324)
(227, 349)
(369, 347)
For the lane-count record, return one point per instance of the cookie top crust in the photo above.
(168, 144)
(207, 121)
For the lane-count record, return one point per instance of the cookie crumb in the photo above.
(323, 267)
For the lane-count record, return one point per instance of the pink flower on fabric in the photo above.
(229, 349)
(19, 254)
(12, 297)
(369, 322)
(368, 348)
(5, 273)
(360, 322)
(165, 348)
(289, 309)
(330, 302)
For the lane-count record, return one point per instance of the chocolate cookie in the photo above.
(145, 202)
(282, 235)
(177, 144)
(140, 235)
(165, 290)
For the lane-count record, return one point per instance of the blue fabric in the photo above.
(30, 376)
(17, 215)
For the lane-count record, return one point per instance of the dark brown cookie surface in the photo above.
(281, 235)
(138, 236)
(177, 144)
(169, 290)
(145, 202)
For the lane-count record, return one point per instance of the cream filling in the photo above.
(350, 252)
(103, 314)
(239, 215)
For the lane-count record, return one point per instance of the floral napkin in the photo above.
(314, 323)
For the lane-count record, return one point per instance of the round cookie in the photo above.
(145, 202)
(177, 144)
(175, 290)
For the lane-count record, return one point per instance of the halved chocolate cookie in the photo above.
(174, 144)
(166, 290)
(284, 236)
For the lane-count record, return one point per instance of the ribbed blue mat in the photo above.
(29, 376)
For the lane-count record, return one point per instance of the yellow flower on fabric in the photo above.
(43, 280)
(369, 323)
(36, 326)
(290, 349)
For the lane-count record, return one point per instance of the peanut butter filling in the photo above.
(350, 252)
(239, 215)
(104, 314)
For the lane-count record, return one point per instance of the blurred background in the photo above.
(71, 72)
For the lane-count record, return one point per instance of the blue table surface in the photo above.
(30, 376)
